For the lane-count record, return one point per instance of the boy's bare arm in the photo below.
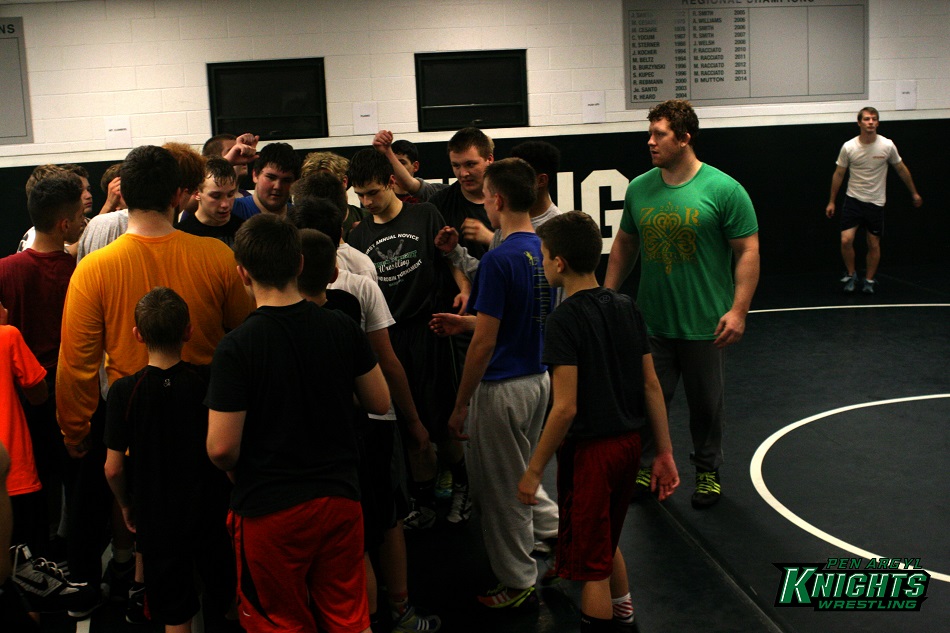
(465, 289)
(115, 475)
(225, 429)
(479, 355)
(665, 475)
(564, 387)
(372, 391)
(383, 142)
(395, 376)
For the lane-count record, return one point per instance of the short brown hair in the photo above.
(162, 319)
(268, 248)
(515, 180)
(575, 237)
(472, 137)
(39, 173)
(110, 174)
(869, 110)
(680, 114)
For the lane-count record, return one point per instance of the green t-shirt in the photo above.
(686, 282)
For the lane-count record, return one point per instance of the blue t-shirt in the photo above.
(511, 287)
(244, 207)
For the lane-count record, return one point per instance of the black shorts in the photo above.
(429, 362)
(170, 568)
(855, 213)
(382, 492)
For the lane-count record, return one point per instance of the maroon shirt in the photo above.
(33, 288)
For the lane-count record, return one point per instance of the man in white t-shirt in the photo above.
(866, 156)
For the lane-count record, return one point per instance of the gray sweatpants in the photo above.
(504, 424)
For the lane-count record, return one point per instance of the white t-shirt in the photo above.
(351, 260)
(867, 165)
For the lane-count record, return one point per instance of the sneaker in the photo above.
(46, 588)
(135, 611)
(502, 597)
(641, 485)
(847, 277)
(421, 518)
(443, 485)
(708, 490)
(118, 579)
(849, 284)
(412, 622)
(461, 510)
(869, 285)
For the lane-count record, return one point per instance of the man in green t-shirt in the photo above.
(689, 220)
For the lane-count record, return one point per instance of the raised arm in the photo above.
(622, 258)
(383, 142)
(731, 326)
(904, 174)
(836, 179)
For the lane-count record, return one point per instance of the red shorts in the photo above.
(595, 480)
(301, 568)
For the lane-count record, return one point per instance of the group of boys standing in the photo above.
(464, 260)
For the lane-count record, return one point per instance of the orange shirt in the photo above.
(18, 366)
(100, 312)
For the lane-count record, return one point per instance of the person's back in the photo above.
(159, 416)
(201, 270)
(173, 496)
(33, 282)
(293, 368)
(280, 421)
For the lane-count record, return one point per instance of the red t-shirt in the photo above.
(18, 366)
(33, 288)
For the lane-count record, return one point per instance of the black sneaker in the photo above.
(118, 579)
(46, 588)
(869, 286)
(708, 489)
(850, 283)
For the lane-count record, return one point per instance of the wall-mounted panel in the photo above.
(15, 121)
(740, 52)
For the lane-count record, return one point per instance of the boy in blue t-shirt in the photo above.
(504, 388)
(604, 387)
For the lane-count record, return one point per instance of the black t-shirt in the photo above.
(455, 208)
(225, 232)
(602, 333)
(158, 415)
(292, 369)
(344, 302)
(410, 269)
